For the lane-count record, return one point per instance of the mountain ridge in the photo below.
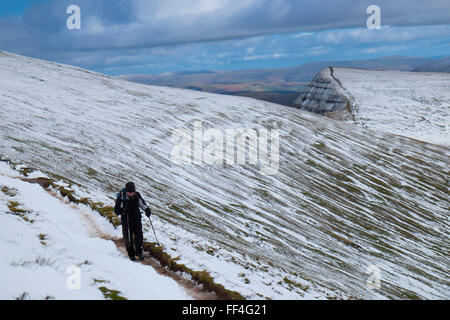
(344, 198)
(407, 103)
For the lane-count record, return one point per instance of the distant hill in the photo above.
(441, 65)
(303, 73)
(281, 85)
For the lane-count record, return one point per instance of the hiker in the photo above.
(127, 206)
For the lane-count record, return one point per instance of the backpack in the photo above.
(124, 197)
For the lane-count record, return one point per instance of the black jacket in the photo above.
(126, 206)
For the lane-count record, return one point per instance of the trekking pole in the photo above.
(157, 242)
(129, 234)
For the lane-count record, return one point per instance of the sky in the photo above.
(158, 36)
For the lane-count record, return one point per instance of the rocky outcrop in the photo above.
(413, 104)
(323, 94)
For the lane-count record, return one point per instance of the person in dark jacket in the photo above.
(128, 203)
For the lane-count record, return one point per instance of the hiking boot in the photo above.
(141, 257)
(132, 258)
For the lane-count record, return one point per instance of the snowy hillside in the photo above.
(39, 247)
(344, 198)
(415, 105)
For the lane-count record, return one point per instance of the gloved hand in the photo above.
(148, 212)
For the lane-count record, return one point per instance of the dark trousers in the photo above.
(132, 230)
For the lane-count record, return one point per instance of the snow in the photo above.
(344, 198)
(68, 242)
(412, 104)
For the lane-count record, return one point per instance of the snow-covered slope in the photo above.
(41, 249)
(344, 198)
(412, 104)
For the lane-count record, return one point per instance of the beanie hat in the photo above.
(129, 187)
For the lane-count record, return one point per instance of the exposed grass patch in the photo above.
(67, 194)
(14, 209)
(100, 281)
(160, 189)
(91, 172)
(293, 284)
(111, 294)
(201, 277)
(43, 237)
(211, 251)
(208, 205)
(409, 295)
(310, 163)
(16, 139)
(178, 209)
(105, 211)
(227, 209)
(57, 177)
(320, 145)
(25, 171)
(11, 192)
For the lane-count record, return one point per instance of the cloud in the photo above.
(263, 56)
(207, 33)
(386, 34)
(144, 23)
(303, 34)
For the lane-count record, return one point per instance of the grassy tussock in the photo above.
(111, 294)
(100, 281)
(201, 277)
(292, 284)
(14, 208)
(11, 192)
(43, 237)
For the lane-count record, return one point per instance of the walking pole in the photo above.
(154, 231)
(129, 234)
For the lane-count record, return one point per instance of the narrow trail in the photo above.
(196, 291)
